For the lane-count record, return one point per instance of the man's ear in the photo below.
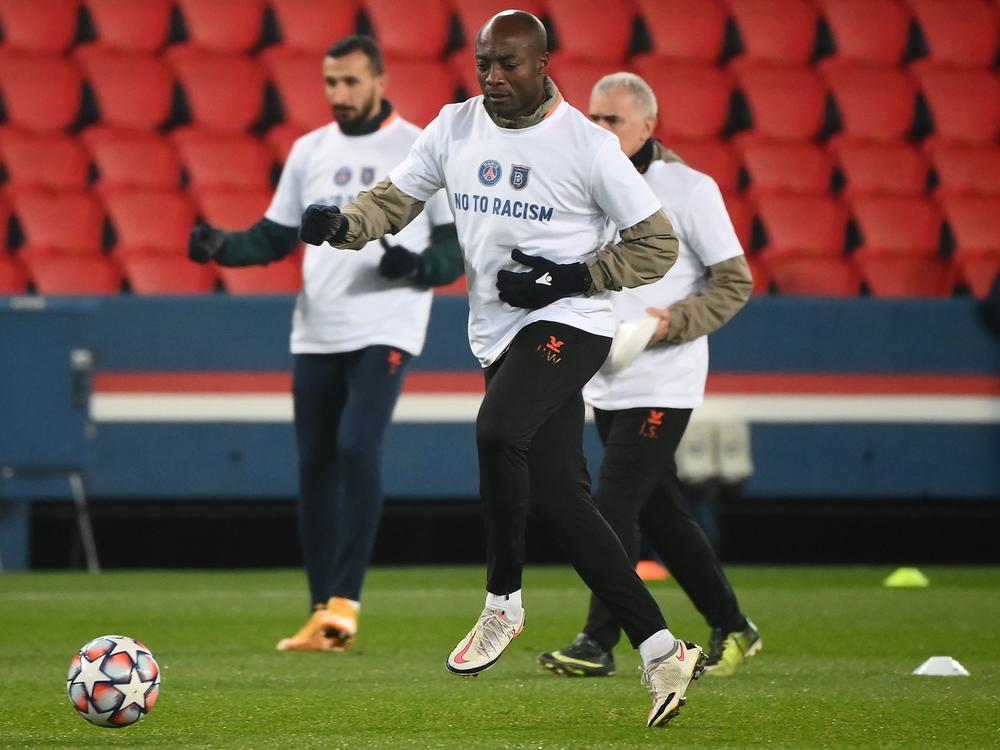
(543, 62)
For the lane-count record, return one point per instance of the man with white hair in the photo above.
(642, 410)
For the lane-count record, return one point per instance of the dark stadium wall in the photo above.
(169, 399)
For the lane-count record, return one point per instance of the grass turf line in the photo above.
(834, 673)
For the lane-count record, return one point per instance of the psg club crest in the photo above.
(367, 175)
(519, 176)
(342, 176)
(490, 172)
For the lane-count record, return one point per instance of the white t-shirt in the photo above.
(345, 304)
(547, 189)
(668, 375)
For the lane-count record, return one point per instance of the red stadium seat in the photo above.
(792, 166)
(874, 103)
(803, 223)
(685, 30)
(224, 26)
(694, 99)
(151, 221)
(871, 32)
(785, 103)
(472, 14)
(63, 223)
(238, 162)
(419, 88)
(39, 26)
(959, 32)
(965, 104)
(165, 274)
(714, 157)
(831, 276)
(975, 222)
(308, 26)
(741, 215)
(900, 224)
(131, 26)
(282, 277)
(236, 211)
(143, 162)
(761, 276)
(280, 139)
(576, 79)
(414, 30)
(776, 31)
(5, 211)
(13, 279)
(47, 162)
(133, 91)
(299, 81)
(967, 169)
(599, 30)
(977, 271)
(891, 168)
(891, 275)
(225, 93)
(68, 275)
(40, 93)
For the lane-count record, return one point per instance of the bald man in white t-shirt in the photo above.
(643, 409)
(532, 183)
(358, 321)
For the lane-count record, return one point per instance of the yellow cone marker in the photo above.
(910, 578)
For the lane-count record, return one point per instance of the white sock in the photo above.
(659, 644)
(509, 603)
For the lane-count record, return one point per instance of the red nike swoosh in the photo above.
(459, 656)
(680, 650)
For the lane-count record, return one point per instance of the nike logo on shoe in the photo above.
(680, 650)
(545, 278)
(460, 656)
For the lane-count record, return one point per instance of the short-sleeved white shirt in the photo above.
(345, 304)
(666, 375)
(547, 189)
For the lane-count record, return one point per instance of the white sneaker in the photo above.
(667, 679)
(484, 644)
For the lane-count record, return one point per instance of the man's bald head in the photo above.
(511, 60)
(518, 26)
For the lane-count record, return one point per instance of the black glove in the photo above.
(322, 224)
(543, 284)
(399, 263)
(205, 242)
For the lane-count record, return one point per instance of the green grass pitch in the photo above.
(835, 670)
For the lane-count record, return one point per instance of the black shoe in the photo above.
(583, 658)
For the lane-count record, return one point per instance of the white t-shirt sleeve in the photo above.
(707, 227)
(286, 206)
(438, 210)
(619, 189)
(421, 173)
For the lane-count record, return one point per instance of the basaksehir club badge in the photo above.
(490, 172)
(519, 176)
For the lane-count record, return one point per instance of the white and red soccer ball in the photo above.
(113, 681)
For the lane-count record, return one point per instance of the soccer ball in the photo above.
(113, 681)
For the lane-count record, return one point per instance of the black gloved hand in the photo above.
(399, 263)
(322, 224)
(543, 284)
(205, 242)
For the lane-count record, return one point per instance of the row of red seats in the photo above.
(145, 274)
(957, 32)
(43, 94)
(884, 275)
(242, 162)
(158, 221)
